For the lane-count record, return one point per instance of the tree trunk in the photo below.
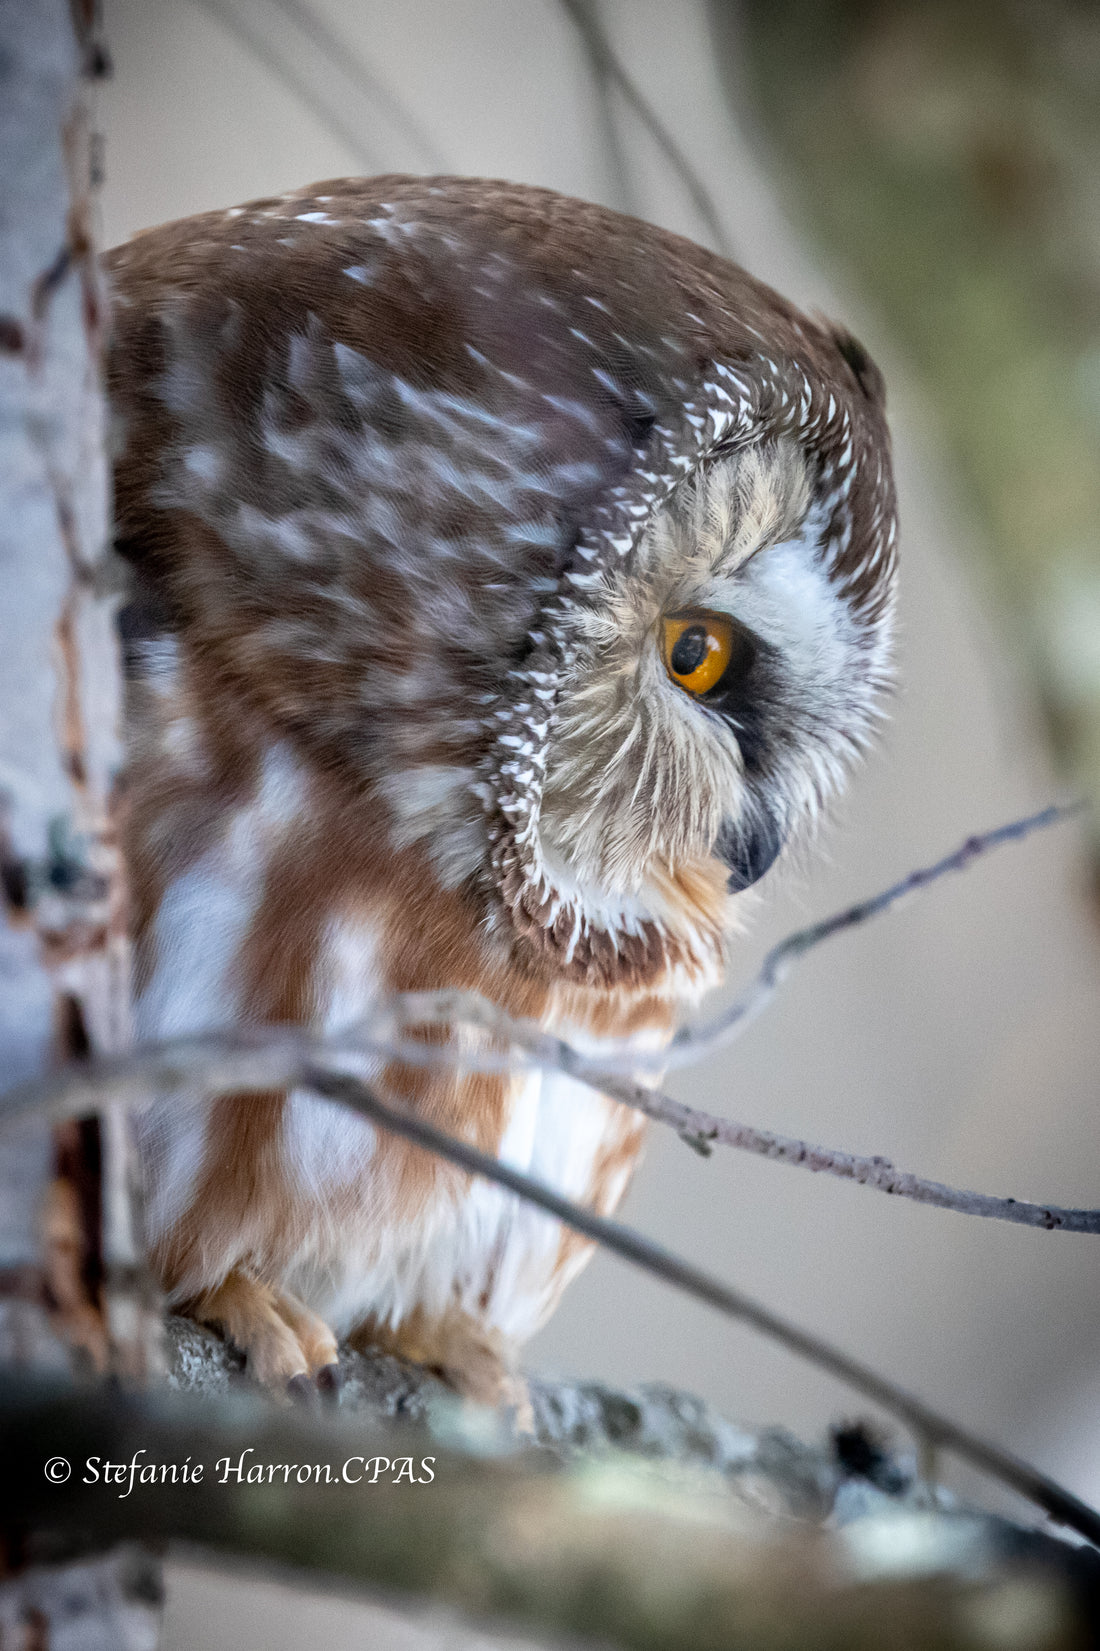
(72, 1292)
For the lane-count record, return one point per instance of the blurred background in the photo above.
(930, 173)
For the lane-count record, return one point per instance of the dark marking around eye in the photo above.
(690, 650)
(745, 697)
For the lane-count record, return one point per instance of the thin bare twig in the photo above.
(610, 71)
(340, 64)
(699, 1039)
(703, 1130)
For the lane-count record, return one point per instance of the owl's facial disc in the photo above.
(717, 684)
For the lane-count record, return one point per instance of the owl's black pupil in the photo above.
(689, 650)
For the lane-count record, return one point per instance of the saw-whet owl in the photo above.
(511, 584)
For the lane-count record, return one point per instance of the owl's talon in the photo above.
(301, 1391)
(330, 1381)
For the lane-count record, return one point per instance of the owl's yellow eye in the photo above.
(697, 649)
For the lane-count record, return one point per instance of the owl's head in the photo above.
(566, 541)
(712, 688)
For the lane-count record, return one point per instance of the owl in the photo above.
(511, 584)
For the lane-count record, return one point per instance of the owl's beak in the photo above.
(749, 850)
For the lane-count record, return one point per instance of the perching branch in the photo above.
(692, 1041)
(278, 1058)
(597, 1553)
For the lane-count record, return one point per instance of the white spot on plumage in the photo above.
(206, 910)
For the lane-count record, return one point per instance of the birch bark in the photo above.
(72, 1290)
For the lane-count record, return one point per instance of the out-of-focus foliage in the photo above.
(949, 152)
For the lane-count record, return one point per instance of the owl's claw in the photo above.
(301, 1391)
(286, 1345)
(330, 1380)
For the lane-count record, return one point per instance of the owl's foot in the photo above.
(287, 1347)
(477, 1362)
